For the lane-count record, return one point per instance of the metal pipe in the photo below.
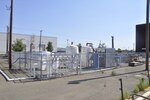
(112, 41)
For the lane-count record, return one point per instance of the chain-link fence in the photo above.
(48, 65)
(43, 65)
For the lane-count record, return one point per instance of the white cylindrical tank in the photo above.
(89, 49)
(45, 55)
(86, 49)
(72, 49)
(85, 55)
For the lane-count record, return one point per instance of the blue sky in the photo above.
(80, 21)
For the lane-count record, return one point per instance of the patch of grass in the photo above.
(113, 73)
(126, 95)
(102, 71)
(136, 89)
(143, 84)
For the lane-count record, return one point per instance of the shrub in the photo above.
(102, 71)
(143, 84)
(113, 73)
(126, 95)
(18, 45)
(49, 46)
(136, 89)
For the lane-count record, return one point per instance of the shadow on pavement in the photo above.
(89, 79)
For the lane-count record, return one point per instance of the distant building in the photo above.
(28, 40)
(141, 38)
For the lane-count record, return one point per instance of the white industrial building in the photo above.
(27, 40)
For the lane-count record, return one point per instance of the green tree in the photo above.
(119, 50)
(49, 46)
(18, 45)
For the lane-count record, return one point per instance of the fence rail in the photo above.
(47, 65)
(133, 97)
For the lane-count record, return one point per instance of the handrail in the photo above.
(17, 60)
(140, 96)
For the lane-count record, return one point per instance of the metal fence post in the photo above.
(30, 62)
(25, 57)
(121, 88)
(19, 60)
(80, 65)
(132, 96)
(41, 66)
(34, 72)
(49, 65)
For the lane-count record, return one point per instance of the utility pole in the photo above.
(40, 39)
(10, 35)
(147, 39)
(7, 39)
(147, 35)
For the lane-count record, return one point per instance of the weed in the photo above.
(136, 89)
(143, 84)
(126, 95)
(102, 71)
(113, 73)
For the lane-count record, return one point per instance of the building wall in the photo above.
(141, 38)
(2, 43)
(28, 39)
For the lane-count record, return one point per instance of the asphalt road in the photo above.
(93, 86)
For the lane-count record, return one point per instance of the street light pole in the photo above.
(10, 35)
(7, 36)
(147, 39)
(40, 40)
